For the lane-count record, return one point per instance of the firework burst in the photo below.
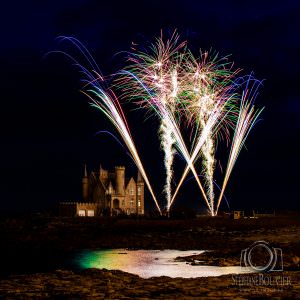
(202, 92)
(203, 96)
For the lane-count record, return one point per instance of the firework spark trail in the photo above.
(111, 108)
(168, 132)
(175, 85)
(179, 141)
(215, 183)
(208, 148)
(211, 82)
(215, 110)
(107, 102)
(212, 121)
(247, 118)
(168, 139)
(167, 143)
(167, 77)
(181, 148)
(158, 86)
(209, 163)
(167, 117)
(167, 97)
(166, 83)
(204, 93)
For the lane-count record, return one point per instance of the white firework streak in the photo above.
(167, 134)
(209, 163)
(168, 118)
(190, 159)
(207, 150)
(248, 116)
(110, 109)
(167, 143)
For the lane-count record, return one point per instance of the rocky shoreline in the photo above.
(33, 250)
(105, 284)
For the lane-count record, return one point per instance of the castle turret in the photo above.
(140, 194)
(85, 186)
(120, 180)
(139, 177)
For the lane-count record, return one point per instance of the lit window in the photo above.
(139, 190)
(139, 203)
(131, 191)
(81, 213)
(131, 203)
(90, 213)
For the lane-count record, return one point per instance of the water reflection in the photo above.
(149, 263)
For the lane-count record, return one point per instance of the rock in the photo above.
(96, 284)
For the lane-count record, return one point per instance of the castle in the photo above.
(107, 193)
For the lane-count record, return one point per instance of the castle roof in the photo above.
(111, 179)
(104, 178)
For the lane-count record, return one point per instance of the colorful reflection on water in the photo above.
(150, 263)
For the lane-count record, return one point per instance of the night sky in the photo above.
(48, 128)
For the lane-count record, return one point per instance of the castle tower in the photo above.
(140, 189)
(120, 180)
(85, 186)
(103, 174)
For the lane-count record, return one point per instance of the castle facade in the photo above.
(108, 193)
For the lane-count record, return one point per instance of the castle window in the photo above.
(139, 203)
(81, 213)
(131, 203)
(131, 191)
(139, 190)
(90, 213)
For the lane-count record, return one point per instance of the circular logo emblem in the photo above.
(260, 257)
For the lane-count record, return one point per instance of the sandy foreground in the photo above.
(34, 248)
